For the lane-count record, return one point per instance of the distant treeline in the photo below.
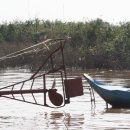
(94, 44)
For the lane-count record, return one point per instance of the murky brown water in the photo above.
(78, 115)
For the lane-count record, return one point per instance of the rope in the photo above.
(24, 51)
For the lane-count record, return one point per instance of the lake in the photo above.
(79, 114)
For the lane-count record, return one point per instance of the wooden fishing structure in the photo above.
(50, 95)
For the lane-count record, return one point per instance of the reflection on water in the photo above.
(80, 114)
(116, 110)
(61, 120)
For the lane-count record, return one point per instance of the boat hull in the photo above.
(116, 98)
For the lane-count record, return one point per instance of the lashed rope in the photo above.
(26, 50)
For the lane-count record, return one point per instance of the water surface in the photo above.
(79, 114)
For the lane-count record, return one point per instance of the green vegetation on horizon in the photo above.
(95, 44)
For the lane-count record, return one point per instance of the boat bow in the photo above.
(116, 96)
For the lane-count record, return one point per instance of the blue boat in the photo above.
(116, 96)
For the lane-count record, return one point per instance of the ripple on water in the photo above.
(78, 115)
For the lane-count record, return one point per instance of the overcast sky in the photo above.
(112, 11)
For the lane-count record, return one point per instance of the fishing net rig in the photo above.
(50, 88)
(30, 56)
